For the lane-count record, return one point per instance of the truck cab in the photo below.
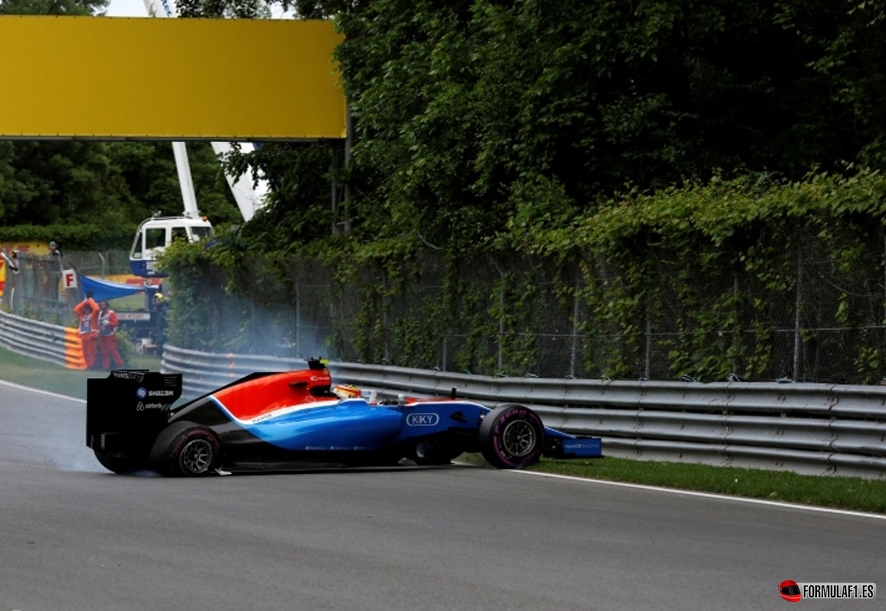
(156, 234)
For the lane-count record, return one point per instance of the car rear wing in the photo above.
(129, 408)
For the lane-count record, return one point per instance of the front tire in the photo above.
(511, 437)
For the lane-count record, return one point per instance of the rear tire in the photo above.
(511, 437)
(186, 449)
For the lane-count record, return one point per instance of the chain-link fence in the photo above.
(37, 290)
(524, 316)
(811, 319)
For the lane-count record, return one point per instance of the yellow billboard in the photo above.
(113, 78)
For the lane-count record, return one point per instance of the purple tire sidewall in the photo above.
(186, 436)
(498, 428)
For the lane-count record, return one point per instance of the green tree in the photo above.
(152, 187)
(849, 43)
(236, 9)
(475, 116)
(46, 183)
(299, 207)
(52, 182)
(52, 7)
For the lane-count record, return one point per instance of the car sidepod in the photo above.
(435, 432)
(324, 426)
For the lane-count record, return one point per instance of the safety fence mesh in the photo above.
(518, 315)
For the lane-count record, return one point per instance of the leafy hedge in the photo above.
(73, 237)
(701, 280)
(723, 261)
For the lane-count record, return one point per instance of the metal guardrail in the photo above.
(41, 340)
(203, 372)
(808, 428)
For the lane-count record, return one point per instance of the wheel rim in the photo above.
(196, 456)
(519, 438)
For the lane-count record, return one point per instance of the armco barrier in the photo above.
(808, 428)
(203, 371)
(41, 340)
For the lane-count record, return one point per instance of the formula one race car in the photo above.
(296, 419)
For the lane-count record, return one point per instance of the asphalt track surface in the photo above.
(74, 537)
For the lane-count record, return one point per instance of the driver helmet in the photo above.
(346, 391)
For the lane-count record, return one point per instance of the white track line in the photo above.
(42, 392)
(708, 495)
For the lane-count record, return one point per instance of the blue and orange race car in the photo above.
(272, 421)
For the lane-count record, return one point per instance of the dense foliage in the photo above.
(671, 171)
(82, 237)
(51, 7)
(106, 184)
(473, 116)
(685, 188)
(754, 276)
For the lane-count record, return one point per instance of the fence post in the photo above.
(647, 367)
(501, 326)
(575, 313)
(797, 308)
(297, 314)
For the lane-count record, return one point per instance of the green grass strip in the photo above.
(44, 375)
(851, 493)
